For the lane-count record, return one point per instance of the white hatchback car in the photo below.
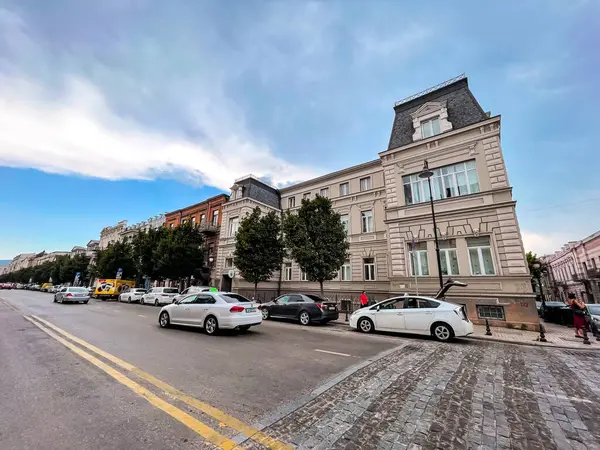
(132, 295)
(415, 315)
(212, 311)
(159, 296)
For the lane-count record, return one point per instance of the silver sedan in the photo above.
(72, 295)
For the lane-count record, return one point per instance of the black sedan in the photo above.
(305, 308)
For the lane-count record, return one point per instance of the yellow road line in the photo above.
(253, 433)
(194, 424)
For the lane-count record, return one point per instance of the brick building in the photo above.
(385, 207)
(207, 216)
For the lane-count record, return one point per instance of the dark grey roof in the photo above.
(463, 110)
(256, 189)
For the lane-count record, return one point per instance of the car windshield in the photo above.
(139, 290)
(171, 291)
(594, 309)
(234, 298)
(78, 289)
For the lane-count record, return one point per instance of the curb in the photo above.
(534, 344)
(293, 406)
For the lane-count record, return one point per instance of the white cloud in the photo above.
(383, 45)
(78, 134)
(544, 243)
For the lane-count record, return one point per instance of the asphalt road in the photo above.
(58, 399)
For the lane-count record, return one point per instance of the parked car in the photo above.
(35, 287)
(20, 286)
(159, 296)
(72, 294)
(305, 308)
(132, 296)
(212, 311)
(193, 290)
(44, 287)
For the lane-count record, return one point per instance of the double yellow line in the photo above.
(194, 424)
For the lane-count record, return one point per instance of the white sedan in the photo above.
(132, 295)
(415, 315)
(212, 311)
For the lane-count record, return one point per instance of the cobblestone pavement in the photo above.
(464, 395)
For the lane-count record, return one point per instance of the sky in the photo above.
(124, 109)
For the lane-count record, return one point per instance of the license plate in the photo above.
(250, 310)
(332, 308)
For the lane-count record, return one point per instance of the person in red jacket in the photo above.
(364, 300)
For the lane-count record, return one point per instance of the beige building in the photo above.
(386, 207)
(112, 234)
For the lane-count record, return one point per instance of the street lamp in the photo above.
(537, 267)
(428, 173)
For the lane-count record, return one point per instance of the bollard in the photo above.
(586, 339)
(542, 333)
(488, 331)
(346, 312)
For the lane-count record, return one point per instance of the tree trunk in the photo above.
(321, 283)
(255, 289)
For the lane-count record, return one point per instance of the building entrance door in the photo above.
(225, 283)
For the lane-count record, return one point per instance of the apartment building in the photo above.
(574, 269)
(207, 215)
(385, 206)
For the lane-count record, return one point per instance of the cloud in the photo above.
(371, 44)
(121, 124)
(544, 243)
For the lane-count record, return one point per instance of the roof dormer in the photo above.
(430, 119)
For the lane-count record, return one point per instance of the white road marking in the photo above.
(141, 315)
(331, 353)
(116, 310)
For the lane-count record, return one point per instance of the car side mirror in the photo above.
(378, 308)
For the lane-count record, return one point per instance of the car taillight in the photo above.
(320, 306)
(69, 295)
(259, 307)
(235, 309)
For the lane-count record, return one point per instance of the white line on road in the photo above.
(116, 310)
(331, 353)
(141, 315)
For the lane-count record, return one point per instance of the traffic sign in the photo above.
(119, 274)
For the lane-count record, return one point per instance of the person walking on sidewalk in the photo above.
(578, 308)
(364, 300)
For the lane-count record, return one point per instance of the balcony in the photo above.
(593, 273)
(208, 227)
(579, 277)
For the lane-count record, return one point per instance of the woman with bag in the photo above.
(578, 308)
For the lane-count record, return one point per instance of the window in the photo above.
(202, 218)
(420, 303)
(215, 217)
(593, 263)
(306, 196)
(418, 260)
(170, 290)
(480, 256)
(287, 271)
(584, 267)
(291, 202)
(184, 221)
(369, 269)
(194, 220)
(324, 193)
(228, 263)
(345, 273)
(234, 223)
(283, 300)
(367, 221)
(490, 312)
(344, 189)
(430, 127)
(345, 222)
(365, 184)
(296, 299)
(234, 298)
(448, 257)
(205, 299)
(448, 181)
(395, 303)
(303, 276)
(188, 299)
(171, 226)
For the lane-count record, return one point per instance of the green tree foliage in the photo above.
(532, 259)
(114, 257)
(259, 248)
(180, 252)
(61, 271)
(316, 239)
(144, 248)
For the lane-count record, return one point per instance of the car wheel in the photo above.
(442, 332)
(265, 313)
(366, 325)
(211, 326)
(55, 299)
(85, 302)
(60, 300)
(129, 299)
(304, 318)
(164, 320)
(156, 302)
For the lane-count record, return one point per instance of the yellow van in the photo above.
(45, 287)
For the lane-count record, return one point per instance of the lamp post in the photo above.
(537, 267)
(428, 173)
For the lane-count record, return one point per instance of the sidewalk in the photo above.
(556, 336)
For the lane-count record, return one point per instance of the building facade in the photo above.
(385, 206)
(207, 215)
(574, 269)
(111, 234)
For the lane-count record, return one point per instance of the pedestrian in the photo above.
(578, 308)
(364, 300)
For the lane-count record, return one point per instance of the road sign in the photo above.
(77, 275)
(119, 274)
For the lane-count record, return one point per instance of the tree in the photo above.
(180, 252)
(316, 239)
(259, 249)
(116, 256)
(144, 247)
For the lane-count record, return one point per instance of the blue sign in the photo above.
(78, 274)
